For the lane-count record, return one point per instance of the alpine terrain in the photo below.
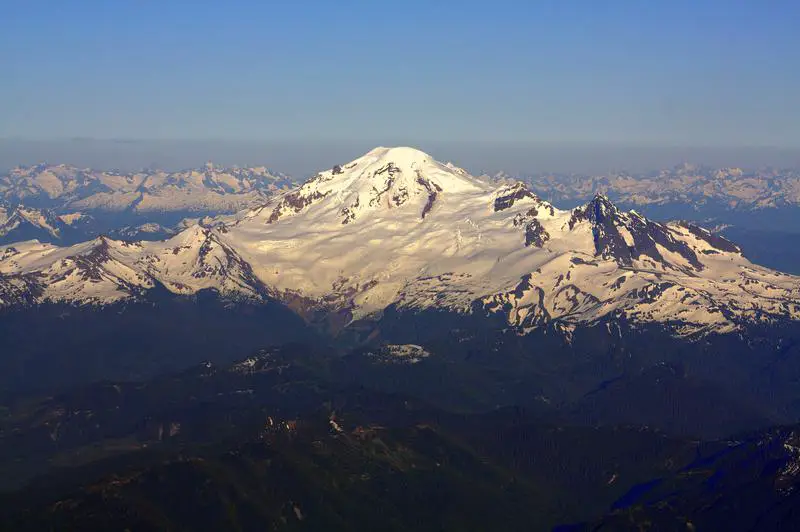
(397, 228)
(758, 209)
(433, 332)
(64, 205)
(67, 188)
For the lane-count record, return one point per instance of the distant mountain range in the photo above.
(66, 188)
(732, 188)
(63, 204)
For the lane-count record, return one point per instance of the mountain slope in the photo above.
(105, 271)
(396, 228)
(274, 427)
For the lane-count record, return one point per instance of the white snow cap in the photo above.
(400, 154)
(413, 163)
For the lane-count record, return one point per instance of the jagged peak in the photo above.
(628, 236)
(601, 198)
(601, 207)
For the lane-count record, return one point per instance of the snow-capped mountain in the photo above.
(105, 270)
(731, 188)
(22, 218)
(24, 223)
(397, 228)
(208, 189)
(20, 223)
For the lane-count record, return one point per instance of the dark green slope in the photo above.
(211, 446)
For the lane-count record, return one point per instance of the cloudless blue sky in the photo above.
(710, 72)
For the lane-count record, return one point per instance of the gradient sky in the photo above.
(703, 72)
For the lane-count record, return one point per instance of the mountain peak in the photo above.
(400, 155)
(382, 179)
(601, 207)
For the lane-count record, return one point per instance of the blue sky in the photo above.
(704, 72)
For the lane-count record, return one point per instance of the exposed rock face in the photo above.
(293, 203)
(507, 196)
(626, 237)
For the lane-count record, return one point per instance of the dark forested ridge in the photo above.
(280, 440)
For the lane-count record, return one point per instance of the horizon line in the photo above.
(409, 142)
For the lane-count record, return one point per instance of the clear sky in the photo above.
(702, 72)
